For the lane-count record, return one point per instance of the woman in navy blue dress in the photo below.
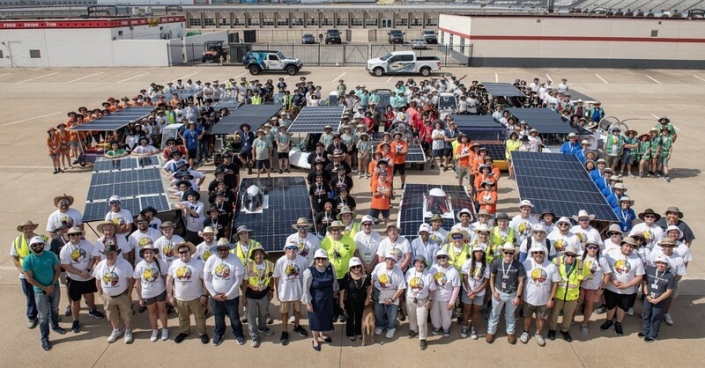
(319, 285)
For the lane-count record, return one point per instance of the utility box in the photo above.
(238, 52)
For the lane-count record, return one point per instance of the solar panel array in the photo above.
(414, 155)
(546, 121)
(312, 119)
(115, 120)
(288, 200)
(575, 96)
(559, 182)
(411, 210)
(496, 151)
(137, 181)
(254, 115)
(480, 127)
(503, 89)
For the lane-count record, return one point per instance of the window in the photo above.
(431, 22)
(416, 22)
(341, 22)
(402, 22)
(356, 22)
(224, 21)
(312, 21)
(35, 54)
(209, 22)
(195, 22)
(253, 22)
(371, 22)
(268, 22)
(407, 58)
(297, 22)
(441, 38)
(1, 55)
(386, 23)
(239, 22)
(273, 58)
(462, 45)
(450, 41)
(282, 22)
(654, 33)
(327, 22)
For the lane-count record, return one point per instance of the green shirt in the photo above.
(42, 268)
(670, 127)
(655, 143)
(119, 152)
(339, 253)
(642, 149)
(666, 145)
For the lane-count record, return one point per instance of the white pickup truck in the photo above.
(403, 62)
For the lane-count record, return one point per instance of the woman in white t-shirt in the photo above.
(419, 296)
(592, 287)
(151, 290)
(476, 274)
(439, 140)
(448, 285)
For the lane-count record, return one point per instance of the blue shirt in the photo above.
(569, 148)
(191, 138)
(625, 218)
(42, 267)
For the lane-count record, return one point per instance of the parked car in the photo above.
(430, 36)
(333, 36)
(403, 62)
(257, 61)
(308, 39)
(419, 44)
(396, 36)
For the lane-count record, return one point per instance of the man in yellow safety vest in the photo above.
(257, 290)
(19, 251)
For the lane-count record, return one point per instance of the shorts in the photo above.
(159, 298)
(623, 301)
(78, 288)
(463, 172)
(117, 307)
(675, 291)
(541, 311)
(53, 155)
(193, 153)
(399, 168)
(425, 146)
(262, 164)
(438, 152)
(374, 213)
(612, 160)
(626, 158)
(590, 295)
(365, 156)
(287, 306)
(281, 155)
(477, 300)
(646, 157)
(448, 152)
(663, 161)
(74, 144)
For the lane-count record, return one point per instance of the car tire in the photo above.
(203, 60)
(255, 70)
(378, 71)
(425, 71)
(291, 70)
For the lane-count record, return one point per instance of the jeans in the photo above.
(28, 291)
(229, 307)
(385, 315)
(257, 315)
(651, 318)
(505, 300)
(48, 308)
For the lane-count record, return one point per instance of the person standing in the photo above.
(507, 285)
(658, 286)
(340, 249)
(389, 285)
(223, 275)
(419, 298)
(571, 272)
(19, 251)
(542, 279)
(114, 281)
(64, 213)
(357, 287)
(627, 273)
(41, 269)
(475, 275)
(257, 291)
(261, 153)
(151, 290)
(186, 291)
(447, 280)
(306, 243)
(288, 285)
(320, 284)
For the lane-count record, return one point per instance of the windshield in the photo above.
(385, 57)
(333, 32)
(280, 55)
(395, 33)
(429, 32)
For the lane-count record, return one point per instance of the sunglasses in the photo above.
(38, 245)
(563, 224)
(64, 202)
(442, 257)
(74, 234)
(649, 216)
(303, 229)
(291, 248)
(593, 247)
(508, 253)
(182, 252)
(112, 203)
(570, 255)
(457, 237)
(355, 267)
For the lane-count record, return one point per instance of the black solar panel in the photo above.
(496, 151)
(312, 119)
(502, 89)
(480, 127)
(96, 211)
(559, 182)
(575, 96)
(411, 206)
(287, 201)
(115, 120)
(127, 163)
(546, 121)
(255, 115)
(414, 155)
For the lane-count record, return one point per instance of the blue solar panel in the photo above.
(125, 163)
(496, 151)
(480, 127)
(254, 115)
(96, 211)
(312, 119)
(546, 121)
(115, 120)
(503, 90)
(559, 182)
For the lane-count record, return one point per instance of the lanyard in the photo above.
(505, 273)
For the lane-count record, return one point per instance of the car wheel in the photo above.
(425, 71)
(291, 70)
(203, 60)
(378, 72)
(254, 70)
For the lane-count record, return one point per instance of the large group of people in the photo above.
(489, 264)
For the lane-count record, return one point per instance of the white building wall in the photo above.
(140, 53)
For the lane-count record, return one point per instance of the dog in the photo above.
(368, 324)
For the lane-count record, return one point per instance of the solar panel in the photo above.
(312, 119)
(480, 127)
(115, 120)
(414, 155)
(496, 151)
(255, 115)
(287, 201)
(575, 96)
(559, 182)
(503, 89)
(126, 163)
(95, 211)
(546, 121)
(411, 211)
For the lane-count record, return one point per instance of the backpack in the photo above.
(530, 240)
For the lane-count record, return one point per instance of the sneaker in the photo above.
(584, 329)
(254, 343)
(59, 330)
(287, 171)
(352, 338)
(649, 339)
(422, 344)
(551, 335)
(115, 335)
(378, 330)
(412, 334)
(566, 336)
(631, 175)
(473, 334)
(284, 339)
(75, 326)
(128, 337)
(464, 332)
(630, 311)
(436, 331)
(359, 176)
(67, 311)
(540, 340)
(267, 331)
(240, 340)
(641, 334)
(180, 337)
(281, 171)
(606, 326)
(390, 333)
(46, 345)
(141, 309)
(618, 329)
(668, 319)
(658, 175)
(446, 333)
(165, 334)
(32, 323)
(599, 310)
(204, 338)
(155, 336)
(341, 318)
(217, 340)
(301, 331)
(96, 314)
(524, 338)
(359, 337)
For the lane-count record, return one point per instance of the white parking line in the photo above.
(87, 76)
(184, 77)
(652, 78)
(133, 77)
(496, 78)
(655, 116)
(549, 77)
(239, 75)
(2, 75)
(41, 76)
(693, 76)
(389, 79)
(602, 79)
(34, 118)
(340, 76)
(26, 167)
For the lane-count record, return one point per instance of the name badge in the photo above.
(504, 285)
(654, 286)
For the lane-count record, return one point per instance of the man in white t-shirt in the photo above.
(207, 247)
(388, 285)
(366, 244)
(627, 273)
(306, 242)
(77, 260)
(144, 236)
(166, 243)
(144, 149)
(438, 233)
(397, 245)
(223, 274)
(424, 245)
(121, 217)
(524, 222)
(583, 230)
(186, 291)
(288, 282)
(539, 290)
(114, 282)
(538, 237)
(652, 232)
(109, 229)
(71, 216)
